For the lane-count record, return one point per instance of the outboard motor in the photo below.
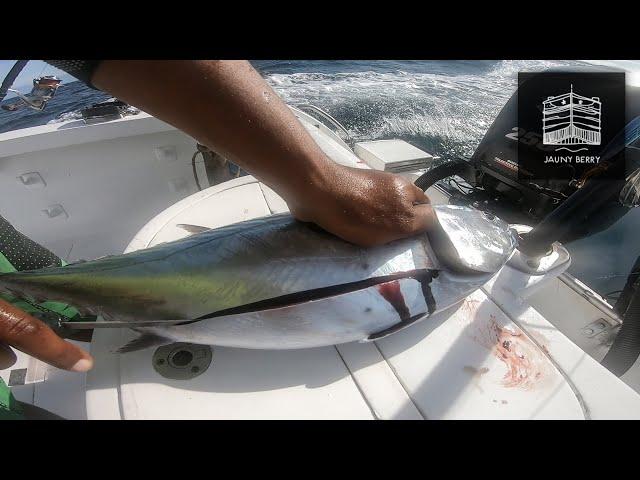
(502, 187)
(496, 162)
(565, 209)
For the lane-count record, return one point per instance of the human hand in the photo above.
(365, 207)
(20, 330)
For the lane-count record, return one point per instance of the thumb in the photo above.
(425, 217)
(35, 338)
(418, 196)
(7, 356)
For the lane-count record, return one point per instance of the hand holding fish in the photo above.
(227, 106)
(365, 207)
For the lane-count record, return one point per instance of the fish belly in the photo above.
(366, 314)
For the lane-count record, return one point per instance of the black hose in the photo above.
(588, 200)
(575, 211)
(629, 290)
(455, 167)
(193, 166)
(626, 347)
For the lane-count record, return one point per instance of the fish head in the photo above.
(468, 240)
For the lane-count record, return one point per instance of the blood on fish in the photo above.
(391, 292)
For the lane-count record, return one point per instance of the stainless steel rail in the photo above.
(326, 116)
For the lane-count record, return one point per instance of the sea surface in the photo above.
(443, 107)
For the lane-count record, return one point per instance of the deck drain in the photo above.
(182, 361)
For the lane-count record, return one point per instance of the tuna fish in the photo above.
(277, 283)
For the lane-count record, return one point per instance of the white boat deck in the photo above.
(449, 366)
(58, 391)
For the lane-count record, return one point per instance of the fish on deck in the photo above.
(277, 283)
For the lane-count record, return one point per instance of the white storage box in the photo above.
(392, 155)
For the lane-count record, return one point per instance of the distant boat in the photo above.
(44, 88)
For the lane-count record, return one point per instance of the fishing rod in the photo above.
(11, 77)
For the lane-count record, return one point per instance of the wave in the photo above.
(442, 106)
(572, 151)
(446, 106)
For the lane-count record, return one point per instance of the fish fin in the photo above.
(146, 340)
(193, 229)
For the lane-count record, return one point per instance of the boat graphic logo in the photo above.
(566, 123)
(571, 119)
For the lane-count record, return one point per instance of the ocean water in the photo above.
(444, 107)
(69, 97)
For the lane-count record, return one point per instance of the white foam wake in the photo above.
(452, 103)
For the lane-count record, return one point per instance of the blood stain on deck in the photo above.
(526, 364)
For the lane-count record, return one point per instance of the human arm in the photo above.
(227, 106)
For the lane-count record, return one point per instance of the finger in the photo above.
(7, 356)
(35, 338)
(418, 197)
(425, 218)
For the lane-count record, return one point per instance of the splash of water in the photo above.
(443, 107)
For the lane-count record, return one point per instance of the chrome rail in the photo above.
(307, 106)
(590, 295)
